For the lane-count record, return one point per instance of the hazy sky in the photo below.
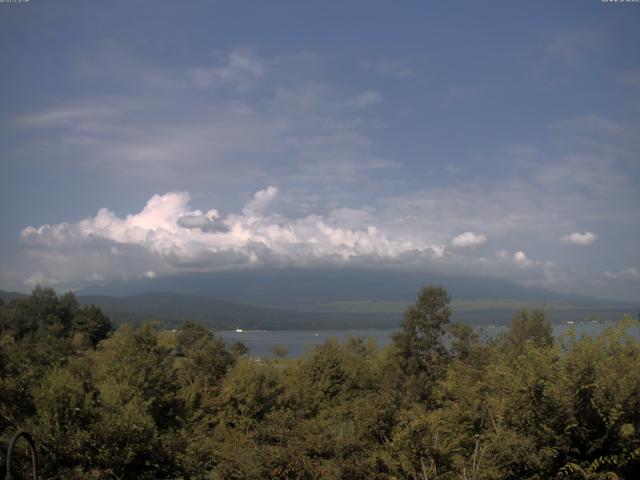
(149, 138)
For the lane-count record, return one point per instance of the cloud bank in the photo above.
(168, 236)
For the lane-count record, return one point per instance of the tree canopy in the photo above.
(440, 402)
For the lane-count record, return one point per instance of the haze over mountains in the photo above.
(295, 286)
(328, 298)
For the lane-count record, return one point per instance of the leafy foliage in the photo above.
(438, 403)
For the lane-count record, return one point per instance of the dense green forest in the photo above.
(438, 403)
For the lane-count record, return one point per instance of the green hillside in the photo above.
(172, 309)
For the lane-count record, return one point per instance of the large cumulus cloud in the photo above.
(169, 236)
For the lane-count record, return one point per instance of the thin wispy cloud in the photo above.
(572, 44)
(304, 126)
(241, 69)
(364, 99)
(628, 274)
(65, 117)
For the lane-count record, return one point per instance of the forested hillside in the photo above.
(145, 403)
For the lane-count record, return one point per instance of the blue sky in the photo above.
(146, 138)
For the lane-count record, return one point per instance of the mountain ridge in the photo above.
(317, 299)
(287, 287)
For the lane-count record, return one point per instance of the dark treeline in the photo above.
(145, 403)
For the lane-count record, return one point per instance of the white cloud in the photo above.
(520, 259)
(260, 202)
(577, 238)
(167, 236)
(468, 239)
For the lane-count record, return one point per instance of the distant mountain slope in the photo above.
(173, 309)
(336, 298)
(8, 296)
(299, 286)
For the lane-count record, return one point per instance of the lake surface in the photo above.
(262, 342)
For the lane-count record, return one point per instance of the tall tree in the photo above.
(528, 327)
(421, 355)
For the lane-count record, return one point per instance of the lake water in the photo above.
(262, 342)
